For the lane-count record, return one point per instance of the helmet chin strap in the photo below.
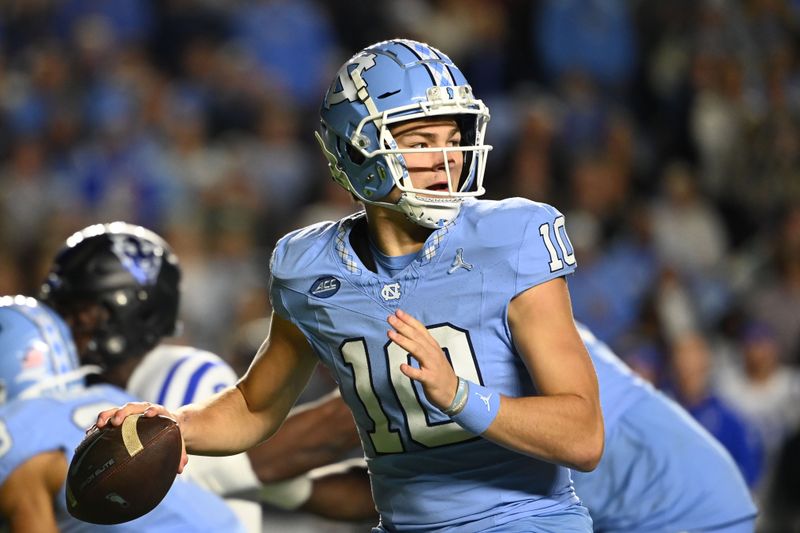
(432, 212)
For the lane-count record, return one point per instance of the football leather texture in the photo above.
(120, 473)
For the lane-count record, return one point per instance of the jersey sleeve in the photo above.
(545, 251)
(23, 436)
(276, 286)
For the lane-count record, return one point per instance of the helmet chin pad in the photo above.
(429, 212)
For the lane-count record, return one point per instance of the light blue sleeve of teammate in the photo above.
(23, 435)
(545, 251)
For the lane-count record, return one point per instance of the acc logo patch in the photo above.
(325, 287)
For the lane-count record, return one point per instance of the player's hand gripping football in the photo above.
(438, 379)
(116, 415)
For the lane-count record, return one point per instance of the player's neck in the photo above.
(394, 234)
(119, 374)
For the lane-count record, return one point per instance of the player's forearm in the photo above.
(313, 435)
(32, 512)
(223, 424)
(344, 495)
(564, 429)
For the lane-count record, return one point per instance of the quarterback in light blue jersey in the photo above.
(445, 319)
(460, 291)
(43, 418)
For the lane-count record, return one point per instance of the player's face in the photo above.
(429, 170)
(83, 319)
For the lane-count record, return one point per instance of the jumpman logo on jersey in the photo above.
(485, 399)
(459, 262)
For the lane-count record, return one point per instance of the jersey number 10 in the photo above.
(422, 429)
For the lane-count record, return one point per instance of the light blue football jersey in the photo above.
(427, 473)
(58, 422)
(660, 471)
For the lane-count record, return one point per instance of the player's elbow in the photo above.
(589, 451)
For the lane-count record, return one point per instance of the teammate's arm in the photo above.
(341, 492)
(26, 497)
(240, 417)
(564, 423)
(315, 434)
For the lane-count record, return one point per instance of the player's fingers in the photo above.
(184, 457)
(116, 416)
(409, 319)
(408, 344)
(415, 332)
(102, 419)
(411, 372)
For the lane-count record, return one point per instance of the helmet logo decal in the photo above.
(139, 257)
(344, 79)
(34, 357)
(325, 287)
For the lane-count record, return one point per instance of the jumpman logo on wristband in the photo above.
(485, 400)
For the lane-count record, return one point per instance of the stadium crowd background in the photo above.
(667, 132)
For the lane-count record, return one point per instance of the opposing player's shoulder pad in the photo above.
(299, 248)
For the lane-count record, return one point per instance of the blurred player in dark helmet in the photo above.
(117, 285)
(45, 407)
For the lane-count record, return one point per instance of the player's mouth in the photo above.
(441, 186)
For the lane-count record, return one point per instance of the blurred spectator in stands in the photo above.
(278, 165)
(691, 363)
(763, 388)
(774, 294)
(615, 278)
(292, 42)
(595, 36)
(689, 237)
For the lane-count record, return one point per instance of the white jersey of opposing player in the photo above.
(173, 376)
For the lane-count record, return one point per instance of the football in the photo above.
(119, 473)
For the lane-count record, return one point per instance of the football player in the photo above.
(117, 285)
(476, 396)
(45, 408)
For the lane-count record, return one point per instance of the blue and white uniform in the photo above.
(660, 471)
(32, 426)
(173, 375)
(429, 474)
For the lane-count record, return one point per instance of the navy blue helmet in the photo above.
(117, 286)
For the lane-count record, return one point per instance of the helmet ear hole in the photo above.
(355, 156)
